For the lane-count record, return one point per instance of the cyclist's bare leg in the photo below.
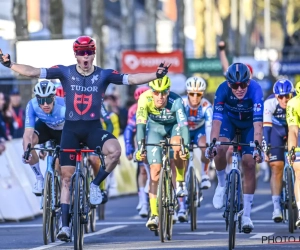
(276, 182)
(296, 167)
(204, 160)
(221, 163)
(142, 178)
(112, 150)
(249, 182)
(154, 178)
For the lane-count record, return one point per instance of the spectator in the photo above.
(18, 113)
(8, 118)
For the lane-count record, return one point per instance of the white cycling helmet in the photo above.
(44, 88)
(195, 84)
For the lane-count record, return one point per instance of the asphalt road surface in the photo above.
(124, 229)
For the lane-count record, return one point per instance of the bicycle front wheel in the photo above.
(232, 211)
(47, 215)
(170, 206)
(191, 197)
(290, 196)
(162, 202)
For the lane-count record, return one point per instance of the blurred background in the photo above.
(136, 35)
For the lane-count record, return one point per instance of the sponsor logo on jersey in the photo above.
(181, 115)
(204, 104)
(84, 89)
(154, 151)
(95, 78)
(257, 107)
(85, 100)
(104, 136)
(219, 107)
(72, 157)
(115, 72)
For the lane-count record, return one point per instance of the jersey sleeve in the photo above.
(29, 116)
(208, 123)
(220, 97)
(292, 117)
(269, 109)
(258, 104)
(142, 111)
(113, 76)
(182, 120)
(57, 72)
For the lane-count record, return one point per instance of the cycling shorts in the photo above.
(46, 133)
(197, 134)
(278, 138)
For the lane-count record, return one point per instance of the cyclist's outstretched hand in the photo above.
(139, 156)
(210, 153)
(162, 70)
(5, 59)
(258, 156)
(291, 157)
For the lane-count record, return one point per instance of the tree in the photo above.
(56, 17)
(151, 8)
(20, 16)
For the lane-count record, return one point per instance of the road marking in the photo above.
(260, 235)
(214, 215)
(102, 231)
(260, 207)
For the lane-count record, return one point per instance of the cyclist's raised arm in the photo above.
(141, 120)
(258, 109)
(182, 120)
(269, 109)
(223, 57)
(22, 69)
(292, 119)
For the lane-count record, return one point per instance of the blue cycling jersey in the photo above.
(248, 108)
(55, 120)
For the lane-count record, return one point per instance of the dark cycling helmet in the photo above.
(139, 91)
(84, 43)
(283, 87)
(237, 73)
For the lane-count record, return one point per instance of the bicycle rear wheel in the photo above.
(191, 197)
(162, 198)
(290, 200)
(47, 215)
(232, 211)
(77, 226)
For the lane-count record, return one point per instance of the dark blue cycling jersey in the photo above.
(248, 108)
(83, 93)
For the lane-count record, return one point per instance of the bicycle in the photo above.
(194, 191)
(288, 201)
(234, 192)
(166, 194)
(80, 207)
(50, 202)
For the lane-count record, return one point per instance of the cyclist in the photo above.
(293, 121)
(142, 170)
(163, 112)
(275, 132)
(238, 104)
(44, 121)
(83, 84)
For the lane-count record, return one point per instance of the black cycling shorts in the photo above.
(75, 132)
(45, 133)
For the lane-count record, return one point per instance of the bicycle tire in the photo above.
(290, 200)
(170, 206)
(162, 205)
(232, 223)
(55, 213)
(47, 209)
(77, 226)
(191, 197)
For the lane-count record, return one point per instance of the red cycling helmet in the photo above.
(140, 91)
(60, 91)
(250, 68)
(84, 43)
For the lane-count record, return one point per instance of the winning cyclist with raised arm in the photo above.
(44, 121)
(238, 104)
(275, 131)
(163, 112)
(293, 121)
(84, 85)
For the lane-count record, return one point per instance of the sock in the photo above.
(93, 185)
(298, 205)
(203, 172)
(181, 203)
(248, 199)
(101, 176)
(221, 177)
(142, 195)
(276, 201)
(65, 216)
(37, 171)
(153, 207)
(179, 174)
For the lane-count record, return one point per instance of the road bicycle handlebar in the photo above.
(162, 143)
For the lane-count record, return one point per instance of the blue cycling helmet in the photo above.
(283, 87)
(237, 73)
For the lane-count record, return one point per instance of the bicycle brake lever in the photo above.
(27, 152)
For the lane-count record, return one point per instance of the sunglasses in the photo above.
(287, 96)
(83, 52)
(43, 100)
(198, 94)
(242, 85)
(164, 92)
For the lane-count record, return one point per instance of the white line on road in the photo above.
(260, 207)
(102, 231)
(255, 236)
(260, 235)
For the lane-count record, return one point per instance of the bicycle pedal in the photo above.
(246, 230)
(153, 228)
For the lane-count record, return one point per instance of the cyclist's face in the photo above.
(47, 108)
(85, 61)
(239, 92)
(195, 98)
(160, 98)
(283, 100)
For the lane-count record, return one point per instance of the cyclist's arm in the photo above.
(26, 70)
(182, 120)
(27, 137)
(141, 120)
(129, 133)
(269, 108)
(292, 119)
(208, 123)
(223, 58)
(258, 109)
(30, 118)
